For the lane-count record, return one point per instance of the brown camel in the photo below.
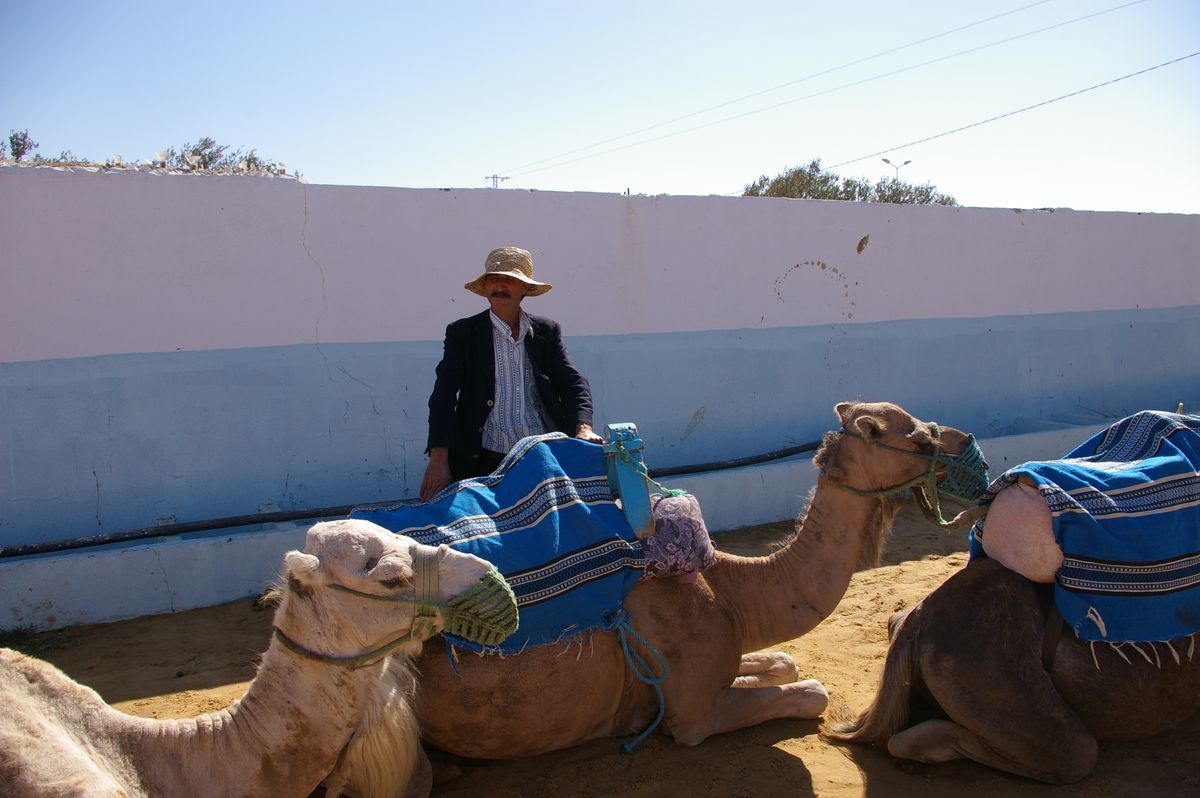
(306, 714)
(551, 697)
(965, 679)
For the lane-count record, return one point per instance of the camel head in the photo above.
(357, 589)
(881, 450)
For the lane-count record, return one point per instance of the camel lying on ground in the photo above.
(325, 677)
(551, 697)
(980, 669)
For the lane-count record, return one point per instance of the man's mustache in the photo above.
(500, 292)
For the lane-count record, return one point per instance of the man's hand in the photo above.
(437, 473)
(585, 433)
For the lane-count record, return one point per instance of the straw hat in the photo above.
(511, 262)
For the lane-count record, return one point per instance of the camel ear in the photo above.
(870, 427)
(302, 567)
(843, 411)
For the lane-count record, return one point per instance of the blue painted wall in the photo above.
(121, 441)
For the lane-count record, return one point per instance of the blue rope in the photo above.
(623, 623)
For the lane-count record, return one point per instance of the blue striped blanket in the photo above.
(548, 521)
(1125, 509)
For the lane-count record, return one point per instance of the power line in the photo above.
(831, 90)
(781, 86)
(1018, 111)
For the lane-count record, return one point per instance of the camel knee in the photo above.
(689, 737)
(812, 698)
(1072, 760)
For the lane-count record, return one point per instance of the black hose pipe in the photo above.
(284, 516)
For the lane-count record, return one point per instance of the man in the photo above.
(504, 375)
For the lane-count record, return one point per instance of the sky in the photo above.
(647, 97)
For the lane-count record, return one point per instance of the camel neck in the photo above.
(784, 595)
(281, 738)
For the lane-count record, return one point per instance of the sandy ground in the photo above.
(198, 661)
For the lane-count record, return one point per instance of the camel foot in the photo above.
(764, 668)
(738, 709)
(809, 698)
(932, 742)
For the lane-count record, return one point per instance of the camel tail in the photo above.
(889, 712)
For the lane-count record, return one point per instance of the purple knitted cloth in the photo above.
(680, 545)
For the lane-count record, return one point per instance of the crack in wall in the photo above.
(287, 479)
(166, 581)
(387, 452)
(96, 479)
(9, 445)
(320, 268)
(321, 273)
(363, 383)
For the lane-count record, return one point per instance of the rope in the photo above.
(966, 478)
(622, 622)
(354, 661)
(626, 456)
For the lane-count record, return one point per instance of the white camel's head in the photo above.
(357, 588)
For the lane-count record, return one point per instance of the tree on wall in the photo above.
(813, 182)
(207, 154)
(20, 144)
(204, 155)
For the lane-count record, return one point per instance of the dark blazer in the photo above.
(465, 387)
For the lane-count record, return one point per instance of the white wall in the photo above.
(136, 262)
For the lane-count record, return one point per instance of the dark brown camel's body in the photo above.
(969, 657)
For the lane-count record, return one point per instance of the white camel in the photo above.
(337, 664)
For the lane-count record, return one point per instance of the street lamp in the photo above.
(896, 166)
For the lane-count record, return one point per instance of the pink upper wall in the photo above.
(125, 262)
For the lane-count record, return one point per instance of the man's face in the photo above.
(504, 291)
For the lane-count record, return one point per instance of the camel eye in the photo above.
(393, 583)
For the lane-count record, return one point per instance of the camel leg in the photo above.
(764, 668)
(938, 741)
(981, 662)
(738, 708)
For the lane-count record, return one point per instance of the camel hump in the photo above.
(1018, 534)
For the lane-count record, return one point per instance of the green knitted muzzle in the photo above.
(484, 614)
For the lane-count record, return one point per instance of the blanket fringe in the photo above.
(1176, 654)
